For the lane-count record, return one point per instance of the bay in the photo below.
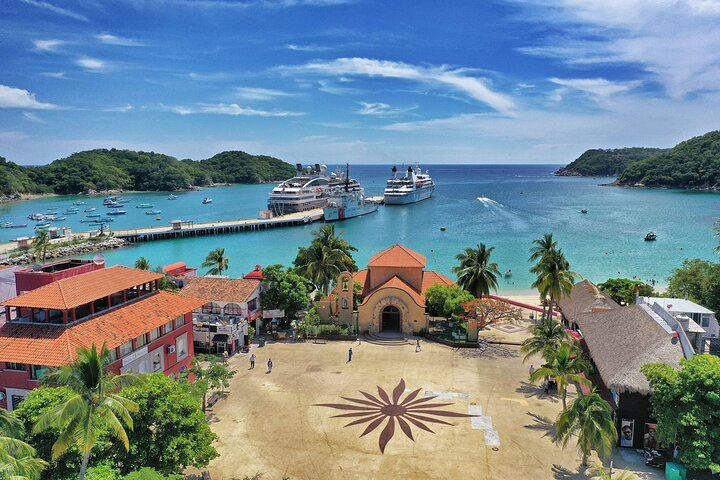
(504, 206)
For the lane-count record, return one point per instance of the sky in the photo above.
(378, 81)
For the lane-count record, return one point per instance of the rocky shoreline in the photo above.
(64, 251)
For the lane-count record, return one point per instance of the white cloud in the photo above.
(115, 40)
(11, 97)
(208, 77)
(31, 117)
(59, 75)
(442, 76)
(51, 45)
(597, 87)
(55, 9)
(13, 136)
(677, 42)
(381, 109)
(308, 48)
(89, 63)
(232, 109)
(121, 109)
(253, 93)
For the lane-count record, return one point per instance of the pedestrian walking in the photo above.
(252, 360)
(417, 345)
(269, 365)
(531, 370)
(350, 355)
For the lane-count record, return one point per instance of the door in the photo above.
(390, 319)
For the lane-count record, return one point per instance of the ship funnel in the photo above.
(298, 167)
(410, 170)
(394, 171)
(317, 167)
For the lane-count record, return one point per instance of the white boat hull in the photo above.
(405, 198)
(334, 213)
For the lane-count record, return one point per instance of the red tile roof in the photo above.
(397, 256)
(429, 279)
(81, 289)
(55, 345)
(213, 289)
(256, 273)
(399, 283)
(174, 266)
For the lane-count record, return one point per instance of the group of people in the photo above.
(252, 363)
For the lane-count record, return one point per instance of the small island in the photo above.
(104, 170)
(692, 164)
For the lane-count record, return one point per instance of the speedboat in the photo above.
(206, 200)
(78, 202)
(153, 212)
(114, 205)
(172, 197)
(583, 211)
(91, 209)
(117, 212)
(93, 215)
(508, 274)
(12, 225)
(41, 226)
(413, 187)
(144, 205)
(650, 237)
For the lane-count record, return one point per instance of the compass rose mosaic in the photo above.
(408, 413)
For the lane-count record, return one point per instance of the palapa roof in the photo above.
(80, 289)
(216, 289)
(397, 256)
(583, 298)
(623, 339)
(56, 345)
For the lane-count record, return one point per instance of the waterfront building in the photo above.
(698, 322)
(221, 324)
(179, 272)
(30, 278)
(619, 340)
(393, 293)
(146, 329)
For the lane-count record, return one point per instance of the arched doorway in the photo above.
(390, 319)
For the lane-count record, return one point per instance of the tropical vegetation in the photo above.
(623, 290)
(210, 374)
(142, 263)
(564, 364)
(327, 256)
(111, 169)
(283, 289)
(18, 459)
(612, 162)
(699, 280)
(685, 405)
(488, 311)
(447, 300)
(40, 245)
(476, 273)
(590, 420)
(554, 277)
(547, 335)
(216, 262)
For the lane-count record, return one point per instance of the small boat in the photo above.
(117, 212)
(91, 209)
(508, 274)
(72, 209)
(583, 211)
(70, 212)
(59, 219)
(650, 237)
(442, 229)
(158, 218)
(206, 200)
(42, 225)
(115, 205)
(144, 205)
(78, 202)
(37, 216)
(153, 212)
(93, 215)
(12, 225)
(52, 209)
(172, 197)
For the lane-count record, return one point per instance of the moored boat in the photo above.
(153, 212)
(650, 237)
(117, 212)
(172, 197)
(13, 225)
(206, 200)
(413, 187)
(344, 203)
(91, 209)
(144, 205)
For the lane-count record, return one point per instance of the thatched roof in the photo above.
(585, 297)
(623, 339)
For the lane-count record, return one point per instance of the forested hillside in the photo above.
(606, 162)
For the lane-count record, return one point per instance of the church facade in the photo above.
(392, 296)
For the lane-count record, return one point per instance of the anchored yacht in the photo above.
(411, 188)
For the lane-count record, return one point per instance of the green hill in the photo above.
(606, 163)
(102, 169)
(694, 163)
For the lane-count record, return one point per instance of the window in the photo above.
(154, 334)
(168, 327)
(344, 303)
(252, 305)
(180, 321)
(156, 358)
(232, 309)
(181, 346)
(345, 285)
(113, 355)
(211, 307)
(140, 341)
(15, 366)
(38, 371)
(126, 348)
(705, 322)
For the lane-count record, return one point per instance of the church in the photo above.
(392, 297)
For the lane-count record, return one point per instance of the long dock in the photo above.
(183, 229)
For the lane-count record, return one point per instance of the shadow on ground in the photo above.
(490, 351)
(534, 391)
(543, 424)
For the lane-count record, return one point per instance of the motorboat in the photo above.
(650, 237)
(117, 212)
(37, 217)
(78, 202)
(93, 215)
(583, 211)
(153, 212)
(115, 205)
(13, 225)
(413, 187)
(144, 205)
(172, 197)
(42, 226)
(91, 209)
(508, 274)
(59, 219)
(207, 200)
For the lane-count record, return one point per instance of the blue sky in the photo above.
(330, 81)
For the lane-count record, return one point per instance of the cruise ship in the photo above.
(411, 188)
(308, 189)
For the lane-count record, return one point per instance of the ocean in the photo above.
(503, 206)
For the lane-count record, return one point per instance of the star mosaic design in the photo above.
(407, 412)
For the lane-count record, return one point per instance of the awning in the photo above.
(220, 338)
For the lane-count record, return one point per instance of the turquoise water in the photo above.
(517, 203)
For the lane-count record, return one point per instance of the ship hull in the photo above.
(285, 207)
(333, 214)
(410, 197)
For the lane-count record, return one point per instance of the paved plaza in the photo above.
(485, 422)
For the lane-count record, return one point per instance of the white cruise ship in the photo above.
(411, 188)
(308, 189)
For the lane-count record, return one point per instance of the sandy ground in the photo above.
(271, 422)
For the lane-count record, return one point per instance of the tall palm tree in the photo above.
(554, 277)
(564, 364)
(546, 335)
(327, 238)
(142, 263)
(216, 261)
(320, 264)
(476, 273)
(40, 245)
(542, 247)
(17, 458)
(94, 405)
(589, 418)
(717, 234)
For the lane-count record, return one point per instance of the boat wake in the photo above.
(488, 202)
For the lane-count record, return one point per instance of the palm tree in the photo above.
(326, 237)
(216, 261)
(589, 418)
(476, 274)
(40, 245)
(95, 405)
(554, 278)
(320, 264)
(543, 247)
(565, 364)
(546, 335)
(17, 458)
(142, 263)
(717, 234)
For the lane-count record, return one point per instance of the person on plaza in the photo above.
(252, 360)
(269, 365)
(531, 370)
(349, 355)
(417, 345)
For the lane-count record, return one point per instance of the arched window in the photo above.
(345, 285)
(232, 309)
(344, 303)
(211, 307)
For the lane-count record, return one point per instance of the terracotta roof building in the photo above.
(146, 330)
(393, 293)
